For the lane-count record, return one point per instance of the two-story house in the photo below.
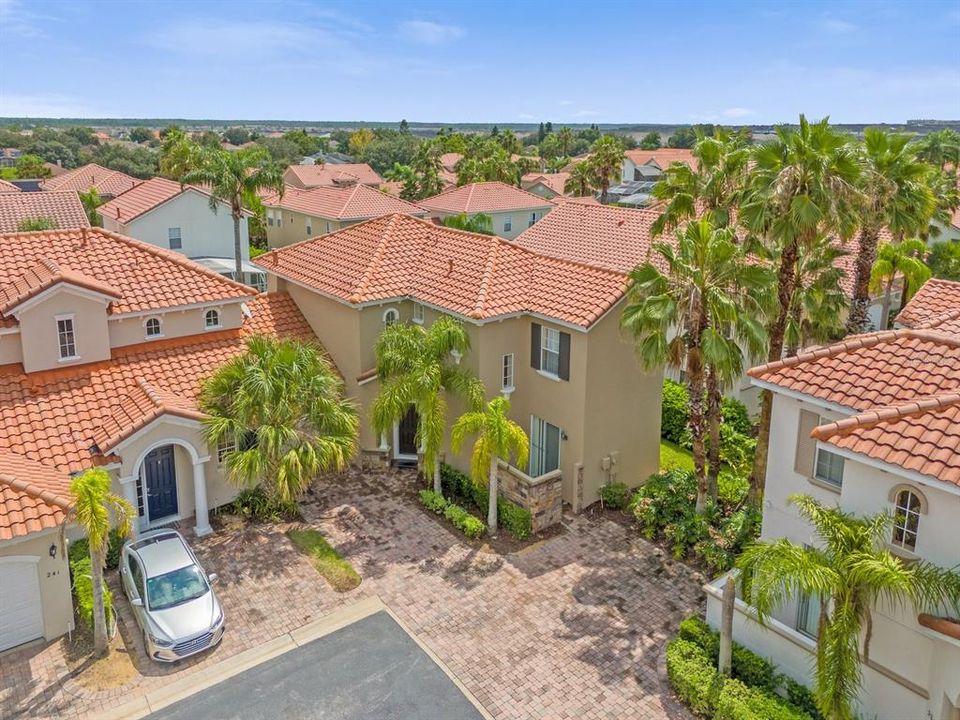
(299, 214)
(869, 424)
(546, 185)
(108, 183)
(648, 165)
(180, 218)
(339, 175)
(511, 209)
(104, 342)
(544, 331)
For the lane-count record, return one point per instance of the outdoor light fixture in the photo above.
(53, 550)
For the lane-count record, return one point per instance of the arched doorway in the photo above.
(159, 484)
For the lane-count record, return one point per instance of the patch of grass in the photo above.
(337, 571)
(673, 456)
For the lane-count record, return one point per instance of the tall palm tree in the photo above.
(498, 437)
(803, 186)
(695, 314)
(230, 176)
(819, 301)
(417, 367)
(179, 154)
(904, 259)
(897, 195)
(281, 406)
(566, 139)
(93, 506)
(940, 148)
(426, 169)
(606, 162)
(581, 182)
(849, 572)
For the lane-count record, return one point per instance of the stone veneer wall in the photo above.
(542, 496)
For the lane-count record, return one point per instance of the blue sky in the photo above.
(483, 61)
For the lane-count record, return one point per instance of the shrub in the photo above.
(615, 495)
(80, 549)
(696, 630)
(736, 449)
(464, 521)
(255, 504)
(692, 676)
(674, 414)
(455, 483)
(737, 701)
(81, 572)
(732, 489)
(800, 697)
(511, 516)
(735, 416)
(515, 519)
(433, 501)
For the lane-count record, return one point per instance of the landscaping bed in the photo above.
(338, 572)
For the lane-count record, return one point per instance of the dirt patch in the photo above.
(113, 671)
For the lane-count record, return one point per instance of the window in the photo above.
(390, 317)
(829, 467)
(533, 219)
(309, 228)
(808, 615)
(258, 280)
(418, 313)
(226, 445)
(153, 327)
(269, 217)
(329, 227)
(506, 381)
(211, 319)
(544, 447)
(65, 338)
(508, 223)
(176, 242)
(906, 520)
(550, 351)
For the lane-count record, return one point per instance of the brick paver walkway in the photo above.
(568, 628)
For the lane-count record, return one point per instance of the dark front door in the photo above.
(407, 433)
(161, 478)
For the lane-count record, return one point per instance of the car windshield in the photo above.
(173, 588)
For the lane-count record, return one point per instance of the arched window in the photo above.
(906, 519)
(211, 319)
(153, 327)
(390, 317)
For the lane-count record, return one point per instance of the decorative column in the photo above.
(200, 498)
(129, 487)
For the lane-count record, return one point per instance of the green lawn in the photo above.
(337, 571)
(673, 456)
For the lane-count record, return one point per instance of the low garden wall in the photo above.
(542, 496)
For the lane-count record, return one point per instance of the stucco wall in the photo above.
(38, 329)
(520, 220)
(10, 348)
(174, 323)
(54, 575)
(292, 227)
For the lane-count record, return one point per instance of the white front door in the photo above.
(21, 612)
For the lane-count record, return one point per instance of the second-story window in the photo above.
(829, 467)
(153, 327)
(508, 223)
(506, 381)
(269, 217)
(65, 338)
(211, 319)
(550, 351)
(309, 228)
(418, 313)
(176, 241)
(533, 219)
(906, 520)
(390, 317)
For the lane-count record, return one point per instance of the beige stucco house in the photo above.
(104, 341)
(543, 331)
(546, 185)
(300, 214)
(511, 209)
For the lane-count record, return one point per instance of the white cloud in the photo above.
(216, 37)
(429, 33)
(46, 105)
(835, 26)
(737, 112)
(20, 22)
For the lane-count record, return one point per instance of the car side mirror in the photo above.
(212, 577)
(137, 602)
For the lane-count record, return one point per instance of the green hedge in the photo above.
(513, 518)
(80, 549)
(674, 414)
(433, 501)
(464, 521)
(81, 572)
(615, 495)
(255, 504)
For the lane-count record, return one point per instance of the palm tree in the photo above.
(850, 572)
(230, 176)
(894, 260)
(896, 195)
(478, 223)
(179, 154)
(415, 369)
(606, 162)
(91, 200)
(940, 148)
(566, 139)
(694, 314)
(426, 170)
(498, 437)
(93, 506)
(802, 187)
(281, 407)
(819, 301)
(581, 180)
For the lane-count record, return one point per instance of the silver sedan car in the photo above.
(171, 595)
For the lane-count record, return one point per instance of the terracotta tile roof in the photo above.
(448, 161)
(476, 276)
(848, 262)
(555, 181)
(357, 202)
(137, 409)
(64, 208)
(81, 179)
(484, 197)
(43, 275)
(603, 236)
(57, 416)
(33, 496)
(144, 276)
(346, 173)
(935, 304)
(140, 199)
(922, 435)
(663, 157)
(6, 187)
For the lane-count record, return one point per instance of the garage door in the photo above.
(21, 614)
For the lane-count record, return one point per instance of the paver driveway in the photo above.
(569, 628)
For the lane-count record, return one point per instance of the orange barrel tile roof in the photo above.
(484, 197)
(356, 202)
(555, 181)
(33, 496)
(81, 179)
(935, 305)
(64, 208)
(6, 187)
(663, 157)
(45, 274)
(475, 276)
(328, 174)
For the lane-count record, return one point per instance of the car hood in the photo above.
(187, 619)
